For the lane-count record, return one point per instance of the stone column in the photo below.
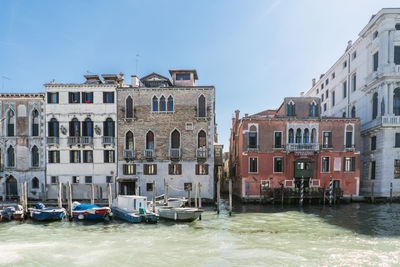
(390, 98)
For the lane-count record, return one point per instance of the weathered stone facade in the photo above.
(22, 150)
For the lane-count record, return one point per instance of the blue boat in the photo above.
(133, 209)
(90, 212)
(43, 213)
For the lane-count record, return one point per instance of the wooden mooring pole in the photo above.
(391, 192)
(165, 193)
(324, 195)
(330, 191)
(199, 196)
(230, 197)
(195, 195)
(26, 197)
(109, 195)
(301, 191)
(154, 196)
(372, 193)
(21, 195)
(218, 193)
(92, 194)
(59, 195)
(69, 197)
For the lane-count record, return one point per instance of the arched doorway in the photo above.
(11, 187)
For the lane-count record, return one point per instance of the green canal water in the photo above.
(346, 235)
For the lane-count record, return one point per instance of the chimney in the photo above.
(121, 79)
(135, 81)
(349, 44)
(301, 94)
(237, 112)
(313, 82)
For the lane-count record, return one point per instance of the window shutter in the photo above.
(155, 168)
(197, 169)
(145, 169)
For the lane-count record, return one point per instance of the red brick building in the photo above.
(283, 146)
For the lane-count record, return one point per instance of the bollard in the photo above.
(302, 191)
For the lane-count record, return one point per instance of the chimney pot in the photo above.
(135, 81)
(313, 82)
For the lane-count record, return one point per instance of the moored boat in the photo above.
(175, 202)
(90, 212)
(43, 213)
(12, 211)
(133, 209)
(179, 214)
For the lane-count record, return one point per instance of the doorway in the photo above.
(127, 187)
(11, 187)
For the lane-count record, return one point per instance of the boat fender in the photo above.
(81, 217)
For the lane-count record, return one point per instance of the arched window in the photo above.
(35, 156)
(344, 115)
(74, 127)
(201, 139)
(149, 140)
(35, 183)
(201, 103)
(170, 103)
(298, 136)
(129, 107)
(353, 112)
(291, 136)
(374, 105)
(109, 127)
(252, 143)
(163, 105)
(10, 123)
(87, 128)
(53, 128)
(306, 136)
(291, 109)
(10, 157)
(313, 110)
(383, 107)
(175, 139)
(129, 142)
(396, 101)
(35, 123)
(155, 104)
(313, 136)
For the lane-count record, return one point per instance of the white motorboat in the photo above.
(179, 214)
(175, 202)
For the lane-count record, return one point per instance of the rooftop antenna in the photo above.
(2, 82)
(137, 63)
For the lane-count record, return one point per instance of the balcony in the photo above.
(300, 147)
(278, 146)
(129, 153)
(108, 140)
(53, 141)
(349, 147)
(384, 121)
(253, 148)
(175, 153)
(201, 153)
(79, 140)
(149, 153)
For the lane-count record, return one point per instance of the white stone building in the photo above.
(365, 82)
(22, 149)
(81, 135)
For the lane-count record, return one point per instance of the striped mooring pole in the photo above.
(302, 191)
(330, 191)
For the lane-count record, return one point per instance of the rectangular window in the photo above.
(149, 187)
(75, 179)
(327, 139)
(278, 140)
(184, 77)
(54, 156)
(108, 97)
(150, 169)
(74, 97)
(354, 55)
(252, 140)
(333, 76)
(87, 98)
(322, 97)
(278, 164)
(109, 156)
(253, 165)
(349, 164)
(88, 179)
(349, 139)
(175, 169)
(325, 107)
(54, 179)
(375, 60)
(344, 64)
(109, 179)
(327, 94)
(74, 156)
(327, 82)
(129, 169)
(52, 98)
(201, 169)
(333, 98)
(344, 86)
(373, 170)
(325, 164)
(187, 186)
(87, 156)
(397, 140)
(322, 86)
(373, 143)
(354, 81)
(397, 55)
(397, 168)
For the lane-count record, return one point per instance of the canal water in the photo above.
(346, 235)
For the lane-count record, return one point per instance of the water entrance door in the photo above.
(127, 187)
(11, 187)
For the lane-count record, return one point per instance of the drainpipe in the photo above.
(348, 86)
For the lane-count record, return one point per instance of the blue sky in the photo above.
(254, 52)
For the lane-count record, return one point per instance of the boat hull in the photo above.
(133, 217)
(94, 214)
(48, 214)
(180, 214)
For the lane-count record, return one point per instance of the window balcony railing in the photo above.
(278, 146)
(53, 141)
(149, 153)
(108, 140)
(129, 153)
(253, 148)
(201, 152)
(79, 140)
(175, 153)
(298, 147)
(73, 140)
(326, 145)
(349, 147)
